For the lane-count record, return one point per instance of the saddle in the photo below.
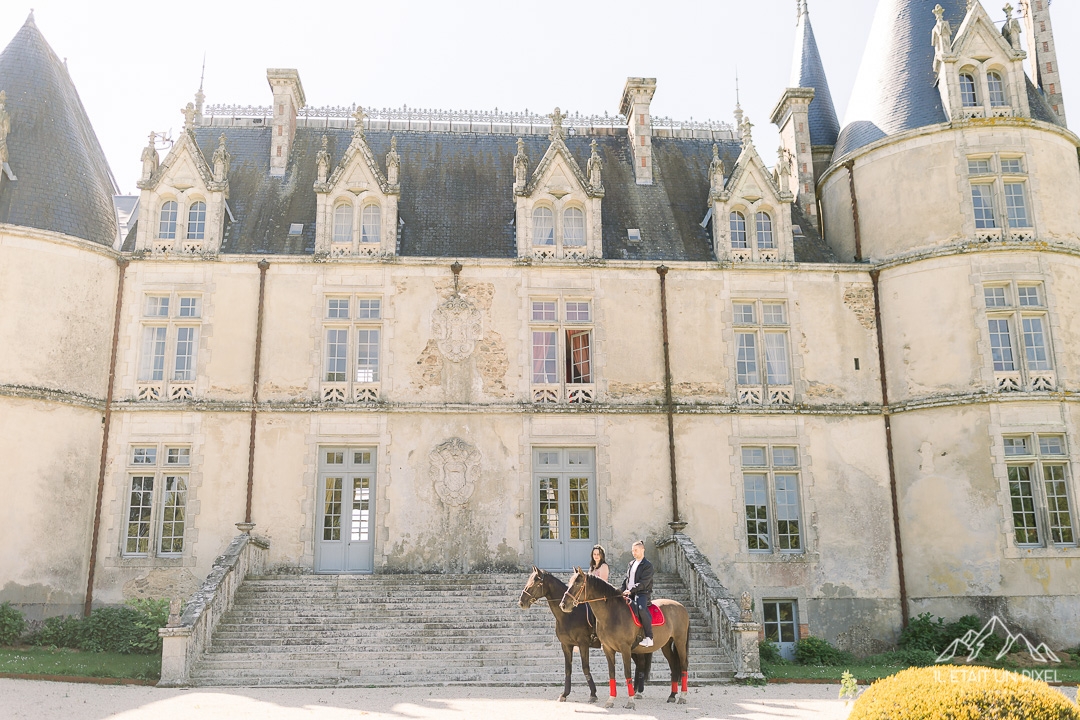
(655, 612)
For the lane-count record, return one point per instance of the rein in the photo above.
(584, 592)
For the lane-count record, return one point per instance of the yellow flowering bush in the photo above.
(970, 692)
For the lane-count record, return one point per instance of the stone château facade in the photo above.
(454, 343)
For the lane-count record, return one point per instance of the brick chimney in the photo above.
(288, 99)
(1042, 54)
(636, 98)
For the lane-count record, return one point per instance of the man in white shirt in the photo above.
(637, 588)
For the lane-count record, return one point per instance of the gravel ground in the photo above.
(38, 700)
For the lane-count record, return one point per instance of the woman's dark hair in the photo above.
(603, 557)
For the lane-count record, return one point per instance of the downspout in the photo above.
(885, 412)
(106, 423)
(263, 266)
(677, 524)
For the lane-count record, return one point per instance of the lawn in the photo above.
(62, 661)
(1069, 675)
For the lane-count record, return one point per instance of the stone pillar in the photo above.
(288, 99)
(1042, 54)
(637, 96)
(791, 116)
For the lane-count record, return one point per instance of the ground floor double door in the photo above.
(564, 502)
(345, 542)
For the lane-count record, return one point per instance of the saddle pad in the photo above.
(657, 616)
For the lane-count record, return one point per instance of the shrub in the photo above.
(922, 633)
(948, 691)
(815, 651)
(12, 624)
(153, 614)
(61, 632)
(111, 629)
(770, 653)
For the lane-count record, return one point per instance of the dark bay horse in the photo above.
(618, 633)
(571, 628)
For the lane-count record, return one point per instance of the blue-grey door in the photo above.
(564, 502)
(345, 540)
(781, 624)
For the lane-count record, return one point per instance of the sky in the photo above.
(136, 64)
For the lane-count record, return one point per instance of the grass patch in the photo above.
(1064, 673)
(79, 663)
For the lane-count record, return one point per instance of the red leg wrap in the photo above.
(630, 686)
(684, 682)
(613, 692)
(674, 687)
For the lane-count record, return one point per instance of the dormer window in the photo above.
(996, 86)
(968, 96)
(738, 230)
(196, 224)
(543, 226)
(167, 225)
(765, 239)
(343, 219)
(371, 220)
(573, 230)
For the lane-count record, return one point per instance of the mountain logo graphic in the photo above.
(972, 644)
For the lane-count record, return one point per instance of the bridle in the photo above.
(532, 598)
(582, 593)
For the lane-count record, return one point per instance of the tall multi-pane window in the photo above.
(196, 224)
(169, 346)
(737, 223)
(352, 331)
(370, 223)
(1017, 322)
(762, 356)
(573, 227)
(167, 221)
(996, 85)
(982, 200)
(562, 350)
(1040, 490)
(343, 223)
(764, 226)
(999, 181)
(156, 519)
(968, 96)
(543, 226)
(771, 498)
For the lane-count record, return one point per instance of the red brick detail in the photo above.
(804, 630)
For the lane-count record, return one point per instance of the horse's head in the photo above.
(534, 589)
(575, 591)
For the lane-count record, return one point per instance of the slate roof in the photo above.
(808, 71)
(64, 182)
(457, 192)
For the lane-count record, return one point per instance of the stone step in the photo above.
(657, 689)
(411, 670)
(385, 661)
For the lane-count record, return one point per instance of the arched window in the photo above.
(167, 225)
(370, 222)
(196, 221)
(738, 230)
(573, 227)
(543, 226)
(765, 239)
(968, 98)
(343, 223)
(997, 89)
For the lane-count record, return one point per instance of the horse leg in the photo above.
(611, 676)
(642, 668)
(673, 663)
(627, 670)
(568, 666)
(684, 660)
(585, 669)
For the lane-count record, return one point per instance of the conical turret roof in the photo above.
(64, 182)
(894, 90)
(808, 71)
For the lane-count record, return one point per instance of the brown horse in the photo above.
(572, 629)
(618, 633)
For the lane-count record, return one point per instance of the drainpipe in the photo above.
(886, 414)
(106, 423)
(677, 524)
(263, 266)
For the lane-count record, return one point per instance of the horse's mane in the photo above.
(560, 586)
(603, 587)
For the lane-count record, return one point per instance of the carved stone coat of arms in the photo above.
(454, 470)
(457, 326)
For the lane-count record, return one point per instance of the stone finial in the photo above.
(557, 130)
(939, 12)
(5, 126)
(358, 116)
(221, 160)
(149, 158)
(1008, 9)
(393, 162)
(200, 96)
(175, 607)
(595, 166)
(521, 168)
(1012, 30)
(941, 36)
(189, 117)
(747, 137)
(717, 171)
(970, 4)
(783, 168)
(746, 606)
(322, 161)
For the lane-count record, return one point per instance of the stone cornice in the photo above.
(58, 239)
(61, 397)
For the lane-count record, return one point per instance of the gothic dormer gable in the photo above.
(357, 201)
(979, 72)
(558, 204)
(751, 213)
(182, 201)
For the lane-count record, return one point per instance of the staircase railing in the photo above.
(736, 636)
(185, 637)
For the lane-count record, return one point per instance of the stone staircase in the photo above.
(394, 630)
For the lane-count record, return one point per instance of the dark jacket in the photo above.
(643, 579)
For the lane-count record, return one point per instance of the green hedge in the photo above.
(130, 629)
(12, 624)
